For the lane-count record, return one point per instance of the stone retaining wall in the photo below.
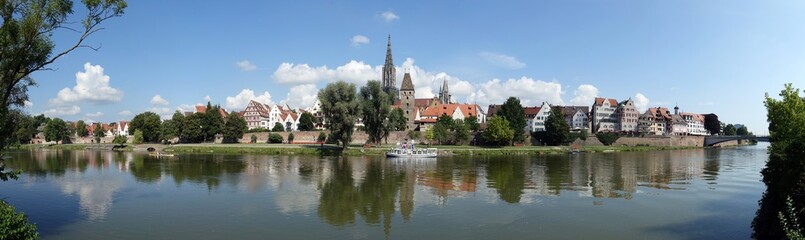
(660, 141)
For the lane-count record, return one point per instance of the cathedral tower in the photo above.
(389, 72)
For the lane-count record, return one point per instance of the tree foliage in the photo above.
(138, 137)
(498, 131)
(56, 130)
(278, 127)
(81, 129)
(340, 107)
(397, 120)
(98, 133)
(729, 130)
(742, 131)
(307, 122)
(274, 138)
(192, 131)
(172, 128)
(442, 130)
(472, 123)
(120, 140)
(607, 138)
(213, 122)
(712, 124)
(234, 128)
(513, 111)
(375, 108)
(784, 174)
(149, 124)
(322, 137)
(14, 224)
(290, 138)
(556, 128)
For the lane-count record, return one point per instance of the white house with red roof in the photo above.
(604, 115)
(536, 116)
(122, 128)
(260, 115)
(457, 111)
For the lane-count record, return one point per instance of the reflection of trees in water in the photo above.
(507, 176)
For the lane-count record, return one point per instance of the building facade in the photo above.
(628, 116)
(604, 115)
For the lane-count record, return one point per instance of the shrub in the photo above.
(254, 138)
(607, 138)
(274, 138)
(322, 137)
(119, 140)
(331, 139)
(14, 225)
(290, 138)
(138, 137)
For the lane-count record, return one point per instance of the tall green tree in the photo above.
(442, 131)
(81, 129)
(174, 128)
(56, 130)
(730, 130)
(340, 107)
(461, 132)
(556, 128)
(472, 123)
(784, 174)
(498, 131)
(98, 133)
(397, 120)
(375, 108)
(278, 127)
(149, 124)
(192, 129)
(213, 122)
(234, 128)
(742, 131)
(513, 111)
(307, 122)
(712, 124)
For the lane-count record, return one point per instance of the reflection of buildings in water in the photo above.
(291, 178)
(95, 193)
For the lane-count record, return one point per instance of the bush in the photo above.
(607, 138)
(119, 140)
(257, 130)
(138, 137)
(14, 225)
(331, 139)
(254, 138)
(274, 138)
(322, 137)
(290, 138)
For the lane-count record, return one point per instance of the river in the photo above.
(678, 194)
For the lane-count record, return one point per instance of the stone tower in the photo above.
(444, 94)
(389, 72)
(407, 101)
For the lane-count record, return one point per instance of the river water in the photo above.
(679, 194)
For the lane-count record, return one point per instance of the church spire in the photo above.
(444, 93)
(389, 72)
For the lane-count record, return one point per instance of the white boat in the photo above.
(412, 153)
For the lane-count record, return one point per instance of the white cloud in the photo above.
(63, 111)
(186, 108)
(502, 60)
(94, 115)
(240, 101)
(125, 113)
(427, 84)
(207, 98)
(246, 65)
(91, 86)
(358, 40)
(160, 110)
(389, 16)
(301, 96)
(158, 100)
(584, 95)
(641, 102)
(28, 104)
(531, 92)
(354, 71)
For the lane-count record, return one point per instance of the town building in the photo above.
(260, 115)
(695, 123)
(537, 122)
(456, 111)
(604, 115)
(318, 115)
(628, 116)
(656, 121)
(577, 117)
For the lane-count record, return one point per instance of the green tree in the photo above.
(498, 131)
(177, 125)
(742, 131)
(99, 133)
(278, 127)
(192, 130)
(556, 128)
(274, 138)
(234, 128)
(397, 120)
(213, 122)
(14, 224)
(730, 130)
(254, 138)
(472, 123)
(712, 124)
(81, 129)
(56, 130)
(290, 138)
(149, 124)
(607, 138)
(375, 108)
(513, 111)
(784, 173)
(441, 130)
(307, 122)
(138, 137)
(120, 140)
(322, 137)
(461, 132)
(340, 107)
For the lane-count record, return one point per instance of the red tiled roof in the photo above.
(531, 111)
(600, 101)
(440, 109)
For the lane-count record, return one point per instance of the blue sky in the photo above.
(705, 56)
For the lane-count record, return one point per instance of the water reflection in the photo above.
(345, 190)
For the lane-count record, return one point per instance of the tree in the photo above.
(556, 128)
(729, 130)
(472, 123)
(14, 224)
(607, 138)
(192, 131)
(461, 132)
(498, 131)
(322, 137)
(307, 122)
(120, 140)
(784, 173)
(149, 124)
(278, 127)
(442, 130)
(375, 107)
(56, 130)
(274, 138)
(340, 107)
(397, 120)
(98, 134)
(234, 128)
(513, 111)
(711, 123)
(742, 131)
(213, 122)
(290, 138)
(138, 137)
(81, 129)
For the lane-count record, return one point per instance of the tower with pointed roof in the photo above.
(444, 94)
(389, 72)
(408, 100)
